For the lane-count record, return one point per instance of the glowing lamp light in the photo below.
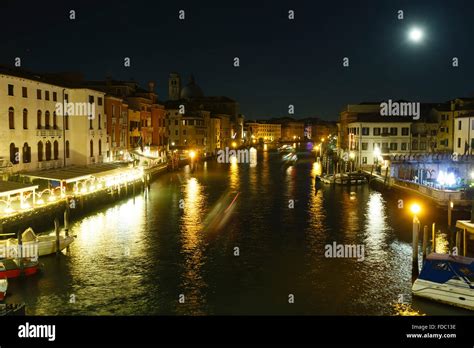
(415, 208)
(83, 190)
(9, 210)
(377, 152)
(415, 35)
(233, 160)
(234, 144)
(52, 198)
(25, 205)
(40, 201)
(192, 154)
(352, 155)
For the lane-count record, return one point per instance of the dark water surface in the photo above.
(138, 256)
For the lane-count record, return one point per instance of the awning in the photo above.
(75, 173)
(8, 188)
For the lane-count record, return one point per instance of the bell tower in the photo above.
(174, 86)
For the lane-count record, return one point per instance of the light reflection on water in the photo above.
(139, 256)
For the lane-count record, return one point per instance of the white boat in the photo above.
(3, 288)
(33, 244)
(447, 279)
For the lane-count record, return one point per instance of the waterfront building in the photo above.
(116, 110)
(457, 115)
(262, 131)
(349, 114)
(201, 111)
(35, 135)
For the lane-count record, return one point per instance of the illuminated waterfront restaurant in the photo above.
(50, 186)
(442, 177)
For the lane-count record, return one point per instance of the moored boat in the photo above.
(10, 268)
(3, 288)
(447, 279)
(40, 245)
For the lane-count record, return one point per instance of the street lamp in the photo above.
(415, 209)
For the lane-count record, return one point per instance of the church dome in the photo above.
(191, 90)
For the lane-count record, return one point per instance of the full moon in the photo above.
(415, 35)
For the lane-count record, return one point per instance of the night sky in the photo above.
(282, 61)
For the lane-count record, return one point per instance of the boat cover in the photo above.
(440, 268)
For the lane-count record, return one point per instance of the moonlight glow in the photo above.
(416, 34)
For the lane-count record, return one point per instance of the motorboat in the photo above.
(33, 244)
(14, 268)
(447, 279)
(3, 288)
(285, 148)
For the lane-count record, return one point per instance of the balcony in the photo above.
(49, 132)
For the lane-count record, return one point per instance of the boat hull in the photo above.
(453, 292)
(10, 269)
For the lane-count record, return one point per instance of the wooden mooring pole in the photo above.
(415, 234)
(56, 230)
(66, 222)
(425, 241)
(433, 238)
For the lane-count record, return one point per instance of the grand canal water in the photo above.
(138, 256)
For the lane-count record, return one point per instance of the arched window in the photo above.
(26, 153)
(100, 127)
(14, 154)
(25, 119)
(67, 148)
(40, 151)
(56, 149)
(55, 120)
(11, 118)
(38, 119)
(92, 148)
(46, 120)
(48, 150)
(100, 147)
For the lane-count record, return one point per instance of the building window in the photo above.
(175, 122)
(26, 153)
(46, 95)
(99, 119)
(46, 120)
(459, 142)
(459, 125)
(40, 151)
(414, 145)
(14, 154)
(365, 146)
(38, 119)
(24, 92)
(90, 123)
(91, 148)
(99, 101)
(176, 132)
(56, 149)
(422, 145)
(100, 147)
(472, 125)
(385, 131)
(376, 131)
(10, 90)
(393, 131)
(48, 151)
(25, 119)
(184, 131)
(11, 118)
(55, 120)
(66, 97)
(66, 122)
(67, 148)
(55, 96)
(393, 146)
(91, 99)
(364, 160)
(38, 94)
(404, 146)
(405, 130)
(365, 131)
